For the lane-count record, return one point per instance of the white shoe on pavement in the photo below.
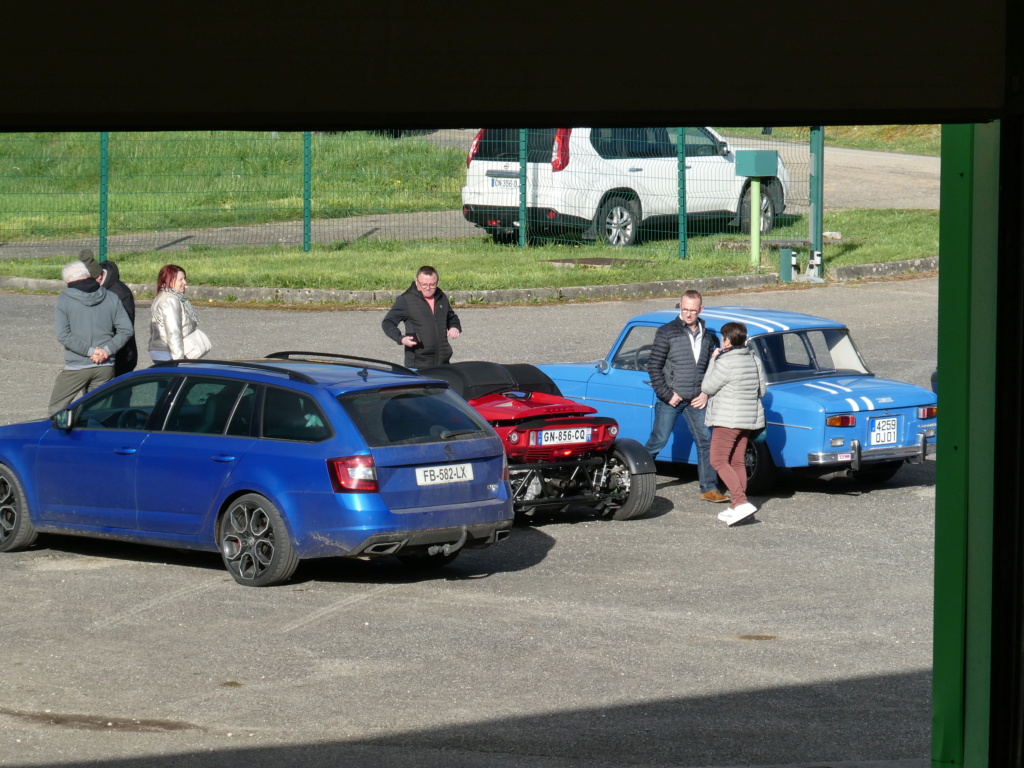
(742, 512)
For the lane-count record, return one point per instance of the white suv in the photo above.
(604, 183)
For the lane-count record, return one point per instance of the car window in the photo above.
(622, 143)
(503, 144)
(635, 349)
(242, 419)
(411, 415)
(203, 405)
(291, 415)
(834, 348)
(803, 354)
(700, 143)
(125, 406)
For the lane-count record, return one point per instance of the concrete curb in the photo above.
(884, 269)
(506, 296)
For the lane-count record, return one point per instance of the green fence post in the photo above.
(684, 235)
(523, 137)
(755, 221)
(307, 201)
(817, 188)
(104, 171)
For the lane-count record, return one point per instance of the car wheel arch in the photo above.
(251, 490)
(627, 193)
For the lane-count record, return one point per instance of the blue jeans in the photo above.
(665, 421)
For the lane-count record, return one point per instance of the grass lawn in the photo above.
(870, 236)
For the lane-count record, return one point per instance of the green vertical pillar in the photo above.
(968, 248)
(524, 136)
(684, 235)
(817, 193)
(755, 221)
(104, 191)
(307, 194)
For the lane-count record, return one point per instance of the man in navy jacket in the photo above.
(679, 358)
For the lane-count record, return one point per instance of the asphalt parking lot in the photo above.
(802, 639)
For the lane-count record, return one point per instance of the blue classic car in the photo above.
(827, 413)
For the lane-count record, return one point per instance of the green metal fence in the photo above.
(141, 191)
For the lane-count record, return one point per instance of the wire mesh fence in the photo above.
(662, 189)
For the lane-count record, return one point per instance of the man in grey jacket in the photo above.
(91, 325)
(679, 358)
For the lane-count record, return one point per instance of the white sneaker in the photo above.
(742, 512)
(726, 515)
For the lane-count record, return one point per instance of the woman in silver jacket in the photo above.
(171, 316)
(735, 382)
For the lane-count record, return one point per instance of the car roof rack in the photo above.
(295, 375)
(332, 357)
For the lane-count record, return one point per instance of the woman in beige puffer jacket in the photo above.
(735, 382)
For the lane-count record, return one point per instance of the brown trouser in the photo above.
(728, 447)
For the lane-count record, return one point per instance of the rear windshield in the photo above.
(411, 415)
(808, 354)
(503, 144)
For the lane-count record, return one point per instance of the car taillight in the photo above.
(927, 412)
(560, 151)
(613, 430)
(841, 421)
(475, 145)
(513, 437)
(504, 467)
(353, 474)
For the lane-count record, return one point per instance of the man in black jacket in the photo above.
(429, 322)
(679, 358)
(108, 275)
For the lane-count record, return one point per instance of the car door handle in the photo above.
(647, 382)
(635, 170)
(222, 457)
(124, 450)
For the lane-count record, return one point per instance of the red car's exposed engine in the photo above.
(561, 454)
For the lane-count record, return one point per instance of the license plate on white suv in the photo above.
(449, 473)
(884, 431)
(505, 183)
(564, 436)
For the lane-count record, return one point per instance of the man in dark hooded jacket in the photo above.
(91, 325)
(108, 275)
(429, 321)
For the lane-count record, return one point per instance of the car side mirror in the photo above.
(723, 148)
(603, 366)
(63, 419)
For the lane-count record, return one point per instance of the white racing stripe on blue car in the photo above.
(868, 403)
(853, 403)
(824, 389)
(764, 325)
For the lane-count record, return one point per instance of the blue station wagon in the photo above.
(826, 412)
(271, 461)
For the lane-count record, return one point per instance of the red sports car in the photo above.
(561, 454)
